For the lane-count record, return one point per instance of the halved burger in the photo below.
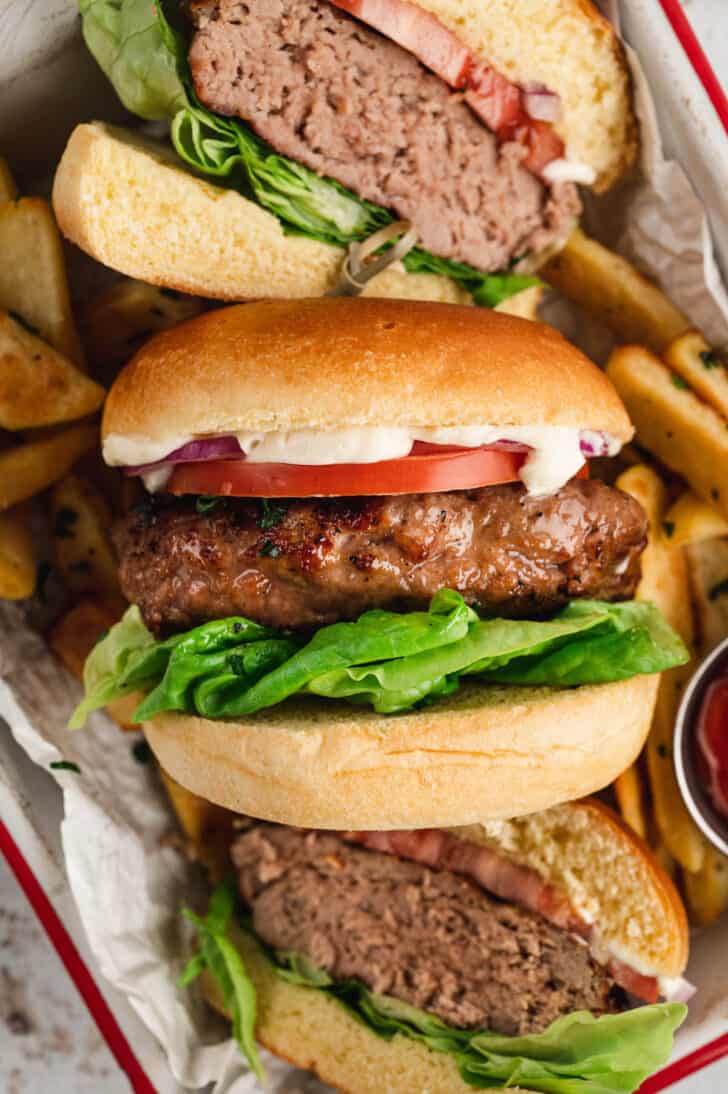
(535, 954)
(325, 120)
(372, 583)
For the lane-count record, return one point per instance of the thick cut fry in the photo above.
(33, 281)
(81, 520)
(77, 632)
(679, 833)
(8, 189)
(17, 559)
(29, 468)
(692, 520)
(207, 827)
(38, 386)
(665, 582)
(706, 890)
(122, 710)
(611, 289)
(708, 564)
(682, 431)
(628, 788)
(702, 369)
(116, 323)
(664, 573)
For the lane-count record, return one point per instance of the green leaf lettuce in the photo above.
(390, 661)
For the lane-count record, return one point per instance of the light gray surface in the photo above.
(48, 1042)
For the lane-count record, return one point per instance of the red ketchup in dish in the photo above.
(712, 742)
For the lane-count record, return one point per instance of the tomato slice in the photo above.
(420, 473)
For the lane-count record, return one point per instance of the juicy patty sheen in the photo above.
(427, 937)
(305, 563)
(341, 99)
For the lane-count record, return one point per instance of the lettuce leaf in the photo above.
(144, 54)
(222, 960)
(132, 47)
(388, 660)
(577, 1054)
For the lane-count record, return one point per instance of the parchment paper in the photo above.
(128, 882)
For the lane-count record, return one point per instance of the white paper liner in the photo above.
(129, 885)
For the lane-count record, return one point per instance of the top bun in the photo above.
(572, 49)
(339, 363)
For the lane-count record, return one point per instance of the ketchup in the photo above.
(712, 740)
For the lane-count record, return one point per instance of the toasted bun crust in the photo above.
(486, 752)
(583, 848)
(311, 1030)
(572, 49)
(333, 363)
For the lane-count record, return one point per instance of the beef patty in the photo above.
(426, 937)
(331, 559)
(342, 99)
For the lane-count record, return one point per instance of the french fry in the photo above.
(33, 281)
(683, 432)
(702, 369)
(664, 574)
(611, 289)
(77, 632)
(628, 788)
(708, 564)
(29, 468)
(17, 558)
(82, 550)
(208, 827)
(665, 582)
(524, 304)
(8, 189)
(692, 520)
(665, 859)
(38, 386)
(122, 710)
(706, 890)
(117, 321)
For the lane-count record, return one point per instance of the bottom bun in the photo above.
(311, 1030)
(131, 204)
(486, 752)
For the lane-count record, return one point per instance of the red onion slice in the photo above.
(540, 103)
(209, 448)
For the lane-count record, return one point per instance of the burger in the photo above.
(372, 584)
(320, 122)
(536, 953)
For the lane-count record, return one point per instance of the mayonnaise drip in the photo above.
(555, 451)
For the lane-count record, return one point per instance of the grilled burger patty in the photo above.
(340, 98)
(427, 937)
(310, 562)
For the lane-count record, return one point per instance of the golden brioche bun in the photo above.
(486, 752)
(335, 363)
(583, 848)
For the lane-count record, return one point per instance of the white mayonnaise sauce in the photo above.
(568, 171)
(555, 457)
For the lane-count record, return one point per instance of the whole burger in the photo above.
(319, 122)
(372, 583)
